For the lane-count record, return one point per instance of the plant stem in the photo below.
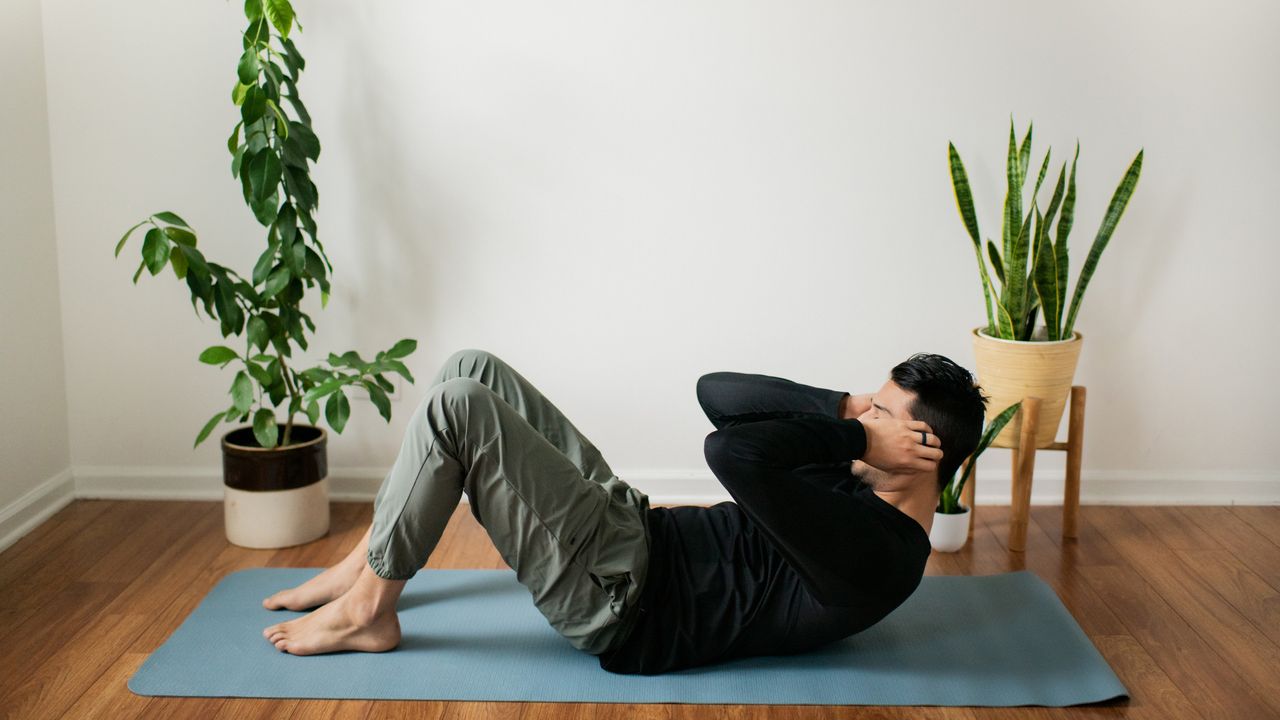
(293, 395)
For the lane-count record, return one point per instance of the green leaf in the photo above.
(218, 355)
(233, 142)
(276, 282)
(1119, 201)
(1012, 210)
(181, 236)
(249, 67)
(259, 335)
(1044, 167)
(1046, 280)
(989, 436)
(253, 9)
(292, 50)
(964, 201)
(258, 33)
(209, 426)
(265, 429)
(260, 374)
(179, 263)
(995, 260)
(402, 348)
(280, 13)
(242, 391)
(399, 367)
(324, 299)
(336, 410)
(325, 388)
(141, 266)
(313, 412)
(263, 267)
(379, 398)
(264, 174)
(1024, 155)
(307, 140)
(172, 219)
(126, 235)
(155, 250)
(253, 107)
(300, 187)
(282, 123)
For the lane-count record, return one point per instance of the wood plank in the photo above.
(1169, 636)
(1151, 693)
(57, 683)
(34, 548)
(1248, 545)
(1249, 594)
(109, 696)
(333, 710)
(406, 710)
(1264, 518)
(1175, 531)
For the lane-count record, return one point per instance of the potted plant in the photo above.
(951, 519)
(275, 485)
(1015, 359)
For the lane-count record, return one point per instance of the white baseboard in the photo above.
(35, 506)
(1097, 487)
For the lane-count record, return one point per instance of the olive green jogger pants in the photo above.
(571, 529)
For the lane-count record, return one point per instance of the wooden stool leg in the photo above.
(1075, 447)
(966, 495)
(1025, 457)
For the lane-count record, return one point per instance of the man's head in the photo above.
(935, 390)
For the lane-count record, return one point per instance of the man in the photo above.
(833, 495)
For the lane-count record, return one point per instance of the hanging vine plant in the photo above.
(271, 146)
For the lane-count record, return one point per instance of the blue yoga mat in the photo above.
(994, 640)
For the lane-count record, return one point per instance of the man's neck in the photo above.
(918, 504)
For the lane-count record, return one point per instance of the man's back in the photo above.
(806, 555)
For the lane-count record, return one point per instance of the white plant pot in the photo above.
(950, 531)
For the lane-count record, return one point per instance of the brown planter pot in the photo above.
(1010, 370)
(275, 497)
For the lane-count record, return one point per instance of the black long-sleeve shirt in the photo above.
(805, 555)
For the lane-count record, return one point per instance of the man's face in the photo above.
(890, 401)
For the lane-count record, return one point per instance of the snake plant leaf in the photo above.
(264, 428)
(1015, 269)
(1012, 197)
(1046, 281)
(1024, 155)
(988, 436)
(964, 202)
(1119, 201)
(1044, 167)
(995, 260)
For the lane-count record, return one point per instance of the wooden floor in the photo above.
(1183, 602)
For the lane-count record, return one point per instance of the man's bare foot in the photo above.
(344, 624)
(324, 587)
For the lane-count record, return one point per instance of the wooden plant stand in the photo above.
(1024, 461)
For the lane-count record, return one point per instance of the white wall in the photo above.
(34, 455)
(617, 197)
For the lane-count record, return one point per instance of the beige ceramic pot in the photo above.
(1010, 370)
(275, 497)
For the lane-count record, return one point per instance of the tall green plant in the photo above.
(949, 500)
(1041, 288)
(272, 164)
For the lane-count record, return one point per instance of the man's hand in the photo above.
(894, 445)
(852, 406)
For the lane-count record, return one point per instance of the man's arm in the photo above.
(733, 398)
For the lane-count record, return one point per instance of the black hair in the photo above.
(949, 401)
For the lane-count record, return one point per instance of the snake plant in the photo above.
(1042, 287)
(949, 500)
(271, 164)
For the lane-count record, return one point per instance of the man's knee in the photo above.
(466, 360)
